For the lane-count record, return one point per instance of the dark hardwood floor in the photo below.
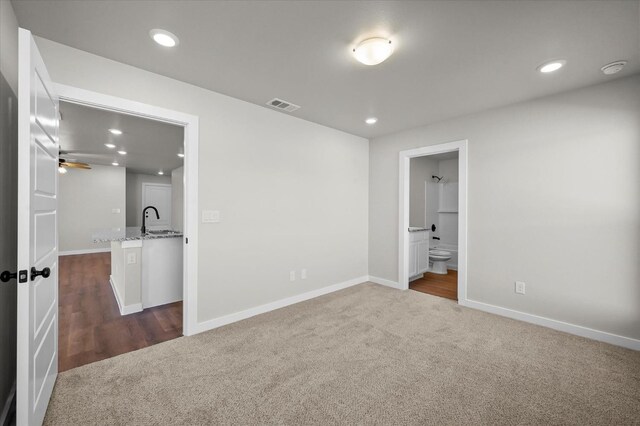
(90, 325)
(438, 285)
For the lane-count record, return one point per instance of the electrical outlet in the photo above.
(211, 216)
(520, 287)
(303, 274)
(131, 258)
(292, 275)
(115, 211)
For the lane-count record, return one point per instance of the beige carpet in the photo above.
(365, 355)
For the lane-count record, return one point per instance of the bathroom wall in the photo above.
(447, 198)
(539, 210)
(134, 194)
(87, 199)
(421, 170)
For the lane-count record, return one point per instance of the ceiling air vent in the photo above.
(282, 105)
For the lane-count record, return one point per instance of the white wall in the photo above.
(9, 50)
(292, 194)
(553, 200)
(134, 195)
(86, 199)
(177, 199)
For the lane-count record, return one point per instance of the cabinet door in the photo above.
(423, 256)
(413, 259)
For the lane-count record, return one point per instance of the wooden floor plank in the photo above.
(438, 284)
(90, 325)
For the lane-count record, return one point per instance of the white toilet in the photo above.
(439, 259)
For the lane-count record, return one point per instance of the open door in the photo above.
(37, 339)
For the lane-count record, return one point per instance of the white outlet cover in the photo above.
(292, 275)
(520, 287)
(303, 274)
(115, 211)
(131, 258)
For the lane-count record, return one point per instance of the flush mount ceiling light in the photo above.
(109, 145)
(181, 155)
(373, 51)
(115, 163)
(371, 120)
(160, 172)
(164, 38)
(122, 152)
(115, 131)
(552, 66)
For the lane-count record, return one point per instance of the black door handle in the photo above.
(6, 276)
(45, 273)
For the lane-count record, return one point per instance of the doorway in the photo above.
(441, 212)
(162, 321)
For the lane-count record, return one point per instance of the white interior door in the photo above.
(37, 339)
(157, 195)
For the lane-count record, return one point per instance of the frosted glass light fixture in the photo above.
(373, 51)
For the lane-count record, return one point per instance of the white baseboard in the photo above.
(578, 330)
(126, 309)
(85, 251)
(248, 313)
(382, 281)
(7, 404)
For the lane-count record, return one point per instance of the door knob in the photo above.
(45, 273)
(6, 276)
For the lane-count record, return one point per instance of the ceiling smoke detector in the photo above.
(282, 105)
(613, 67)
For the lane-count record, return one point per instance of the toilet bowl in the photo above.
(439, 259)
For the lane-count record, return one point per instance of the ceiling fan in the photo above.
(64, 164)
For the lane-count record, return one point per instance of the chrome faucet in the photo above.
(144, 217)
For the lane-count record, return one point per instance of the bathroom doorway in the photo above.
(432, 221)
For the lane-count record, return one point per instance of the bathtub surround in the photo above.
(531, 189)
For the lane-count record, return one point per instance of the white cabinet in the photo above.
(418, 252)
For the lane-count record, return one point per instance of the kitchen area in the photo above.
(120, 226)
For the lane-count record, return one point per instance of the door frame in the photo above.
(190, 123)
(403, 217)
(143, 193)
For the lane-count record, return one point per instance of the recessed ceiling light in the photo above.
(122, 152)
(371, 120)
(181, 155)
(109, 145)
(160, 172)
(115, 163)
(373, 51)
(164, 38)
(115, 131)
(552, 66)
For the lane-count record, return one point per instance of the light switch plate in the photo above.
(210, 216)
(303, 274)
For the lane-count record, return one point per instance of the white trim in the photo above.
(272, 306)
(84, 251)
(7, 404)
(566, 327)
(385, 282)
(190, 215)
(403, 202)
(127, 309)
